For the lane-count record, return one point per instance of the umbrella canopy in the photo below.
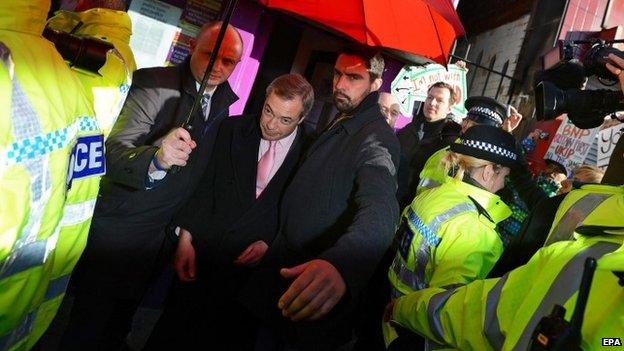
(425, 28)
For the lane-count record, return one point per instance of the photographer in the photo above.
(508, 308)
(537, 225)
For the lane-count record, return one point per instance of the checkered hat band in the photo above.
(487, 113)
(491, 148)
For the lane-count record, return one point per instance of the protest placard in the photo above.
(607, 138)
(413, 82)
(570, 145)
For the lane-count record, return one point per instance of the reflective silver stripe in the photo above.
(57, 287)
(78, 212)
(416, 279)
(433, 312)
(24, 257)
(423, 229)
(421, 258)
(437, 222)
(574, 216)
(17, 334)
(428, 183)
(26, 126)
(491, 325)
(432, 345)
(403, 274)
(563, 287)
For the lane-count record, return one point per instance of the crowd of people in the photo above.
(356, 237)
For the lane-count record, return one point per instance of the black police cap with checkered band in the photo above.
(488, 143)
(485, 110)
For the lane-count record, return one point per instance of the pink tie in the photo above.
(264, 168)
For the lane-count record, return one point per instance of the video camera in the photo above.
(585, 108)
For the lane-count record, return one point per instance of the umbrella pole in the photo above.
(225, 18)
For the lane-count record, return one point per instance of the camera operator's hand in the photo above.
(616, 68)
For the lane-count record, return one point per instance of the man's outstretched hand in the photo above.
(317, 288)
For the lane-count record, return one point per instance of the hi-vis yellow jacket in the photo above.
(447, 237)
(107, 88)
(51, 157)
(501, 314)
(433, 174)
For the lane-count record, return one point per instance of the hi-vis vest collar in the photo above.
(496, 209)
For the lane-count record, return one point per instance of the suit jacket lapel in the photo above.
(244, 148)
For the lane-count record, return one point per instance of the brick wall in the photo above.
(503, 43)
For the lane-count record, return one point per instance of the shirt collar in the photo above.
(206, 91)
(492, 203)
(285, 142)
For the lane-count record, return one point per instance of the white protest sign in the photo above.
(570, 145)
(154, 26)
(607, 138)
(413, 82)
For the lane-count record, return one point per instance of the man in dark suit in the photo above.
(338, 217)
(129, 242)
(226, 227)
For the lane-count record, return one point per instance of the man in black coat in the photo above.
(420, 138)
(129, 242)
(226, 227)
(338, 217)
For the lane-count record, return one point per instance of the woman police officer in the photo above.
(448, 234)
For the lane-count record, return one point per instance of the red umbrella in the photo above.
(421, 27)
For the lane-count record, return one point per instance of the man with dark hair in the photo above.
(233, 216)
(440, 98)
(428, 127)
(129, 241)
(337, 219)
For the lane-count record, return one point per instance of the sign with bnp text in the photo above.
(570, 145)
(413, 82)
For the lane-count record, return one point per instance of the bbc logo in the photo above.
(611, 342)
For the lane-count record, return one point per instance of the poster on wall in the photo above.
(570, 145)
(195, 14)
(154, 27)
(162, 30)
(412, 83)
(607, 138)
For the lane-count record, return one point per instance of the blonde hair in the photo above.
(588, 174)
(456, 165)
